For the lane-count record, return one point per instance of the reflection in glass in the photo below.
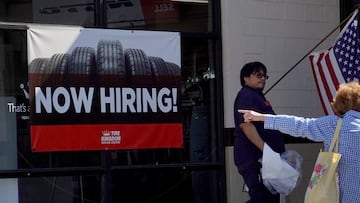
(167, 185)
(66, 12)
(158, 15)
(69, 189)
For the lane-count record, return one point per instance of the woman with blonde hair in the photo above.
(346, 105)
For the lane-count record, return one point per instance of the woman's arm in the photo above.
(315, 129)
(252, 115)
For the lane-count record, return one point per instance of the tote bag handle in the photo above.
(334, 146)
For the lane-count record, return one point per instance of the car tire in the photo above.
(82, 66)
(110, 63)
(160, 72)
(138, 70)
(58, 65)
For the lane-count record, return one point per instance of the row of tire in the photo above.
(108, 65)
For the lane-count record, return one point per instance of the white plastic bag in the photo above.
(281, 174)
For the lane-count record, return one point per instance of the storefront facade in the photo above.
(216, 38)
(192, 173)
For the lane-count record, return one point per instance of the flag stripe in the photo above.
(313, 59)
(324, 67)
(322, 82)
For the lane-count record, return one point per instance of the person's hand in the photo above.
(251, 115)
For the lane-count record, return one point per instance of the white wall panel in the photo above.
(277, 33)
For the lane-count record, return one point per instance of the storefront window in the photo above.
(166, 185)
(14, 112)
(186, 16)
(174, 15)
(188, 174)
(16, 11)
(69, 189)
(64, 12)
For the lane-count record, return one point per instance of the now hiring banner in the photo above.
(97, 89)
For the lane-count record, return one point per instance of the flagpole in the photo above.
(309, 52)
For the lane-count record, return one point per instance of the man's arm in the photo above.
(252, 134)
(250, 115)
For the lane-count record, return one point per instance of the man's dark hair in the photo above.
(250, 68)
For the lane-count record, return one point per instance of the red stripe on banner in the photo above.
(312, 58)
(105, 137)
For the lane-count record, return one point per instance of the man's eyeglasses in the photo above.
(261, 75)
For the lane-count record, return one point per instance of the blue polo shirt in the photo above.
(245, 152)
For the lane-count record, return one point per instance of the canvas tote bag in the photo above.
(323, 186)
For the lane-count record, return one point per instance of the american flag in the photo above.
(339, 64)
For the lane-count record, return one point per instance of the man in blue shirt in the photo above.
(250, 137)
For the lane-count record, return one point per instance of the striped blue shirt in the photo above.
(321, 130)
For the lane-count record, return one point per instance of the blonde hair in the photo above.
(347, 98)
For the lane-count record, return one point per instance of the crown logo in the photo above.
(106, 133)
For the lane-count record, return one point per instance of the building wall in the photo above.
(278, 33)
